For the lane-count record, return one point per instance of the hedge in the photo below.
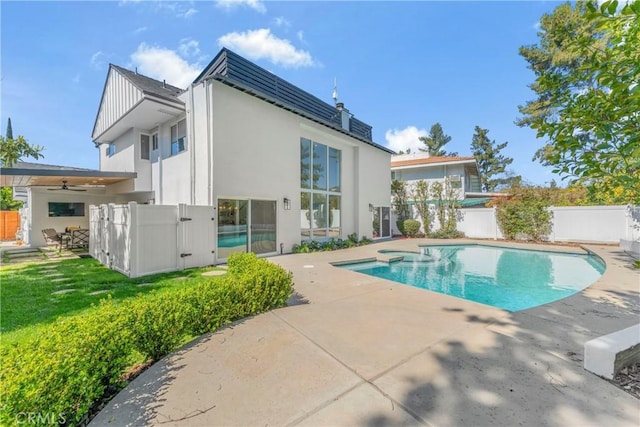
(78, 360)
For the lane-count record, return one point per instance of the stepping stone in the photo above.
(104, 291)
(179, 279)
(63, 291)
(145, 284)
(214, 273)
(24, 255)
(52, 274)
(61, 279)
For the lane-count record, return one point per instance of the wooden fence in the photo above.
(9, 224)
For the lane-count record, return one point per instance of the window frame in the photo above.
(142, 150)
(111, 149)
(179, 144)
(310, 192)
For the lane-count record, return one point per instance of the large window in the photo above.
(320, 198)
(66, 209)
(179, 137)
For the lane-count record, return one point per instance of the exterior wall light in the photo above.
(287, 204)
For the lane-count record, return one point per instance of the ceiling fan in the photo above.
(66, 187)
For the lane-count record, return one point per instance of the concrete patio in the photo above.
(357, 350)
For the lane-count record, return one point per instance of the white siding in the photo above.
(120, 95)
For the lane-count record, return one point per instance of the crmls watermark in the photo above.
(40, 418)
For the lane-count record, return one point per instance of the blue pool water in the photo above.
(512, 279)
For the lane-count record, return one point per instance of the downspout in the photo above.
(160, 157)
(207, 87)
(193, 146)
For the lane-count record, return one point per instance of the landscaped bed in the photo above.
(71, 354)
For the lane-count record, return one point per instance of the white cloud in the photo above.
(189, 47)
(76, 79)
(188, 13)
(300, 35)
(281, 21)
(261, 44)
(537, 26)
(401, 139)
(139, 30)
(164, 64)
(256, 5)
(97, 60)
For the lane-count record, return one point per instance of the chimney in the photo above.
(345, 116)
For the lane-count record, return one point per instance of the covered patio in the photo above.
(58, 197)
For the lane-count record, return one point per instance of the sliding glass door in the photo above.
(246, 226)
(381, 222)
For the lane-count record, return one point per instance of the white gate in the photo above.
(196, 235)
(138, 240)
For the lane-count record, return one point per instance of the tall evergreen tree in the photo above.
(435, 141)
(9, 134)
(490, 162)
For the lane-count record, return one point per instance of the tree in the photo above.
(587, 69)
(490, 161)
(12, 150)
(435, 141)
(6, 200)
(9, 129)
(400, 202)
(420, 194)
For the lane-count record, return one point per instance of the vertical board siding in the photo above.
(120, 95)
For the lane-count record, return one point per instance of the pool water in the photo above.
(511, 279)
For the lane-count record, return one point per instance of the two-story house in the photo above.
(277, 164)
(461, 172)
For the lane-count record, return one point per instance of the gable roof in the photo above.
(129, 99)
(431, 160)
(235, 71)
(148, 85)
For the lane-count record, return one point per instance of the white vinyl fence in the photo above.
(138, 240)
(601, 224)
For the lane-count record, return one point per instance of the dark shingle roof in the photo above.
(150, 86)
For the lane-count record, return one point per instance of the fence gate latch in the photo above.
(184, 255)
(185, 219)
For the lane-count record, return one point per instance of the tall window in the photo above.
(320, 198)
(154, 141)
(111, 149)
(178, 137)
(144, 147)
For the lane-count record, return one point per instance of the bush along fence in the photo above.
(78, 360)
(330, 245)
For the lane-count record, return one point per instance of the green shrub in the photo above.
(411, 227)
(446, 234)
(524, 215)
(330, 245)
(78, 359)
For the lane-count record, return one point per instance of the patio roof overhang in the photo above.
(26, 175)
(147, 114)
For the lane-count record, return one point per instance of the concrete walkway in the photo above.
(356, 350)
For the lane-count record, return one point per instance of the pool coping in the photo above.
(354, 350)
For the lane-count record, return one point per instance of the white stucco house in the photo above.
(275, 164)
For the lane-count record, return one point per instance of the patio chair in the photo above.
(79, 238)
(52, 237)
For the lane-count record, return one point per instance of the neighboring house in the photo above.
(460, 171)
(276, 164)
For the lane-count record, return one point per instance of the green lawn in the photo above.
(30, 294)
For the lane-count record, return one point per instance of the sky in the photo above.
(399, 66)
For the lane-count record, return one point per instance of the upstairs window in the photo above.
(154, 141)
(144, 147)
(111, 149)
(178, 137)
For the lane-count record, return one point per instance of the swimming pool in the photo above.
(511, 279)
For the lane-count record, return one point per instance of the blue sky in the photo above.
(400, 66)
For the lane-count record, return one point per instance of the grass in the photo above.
(29, 299)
